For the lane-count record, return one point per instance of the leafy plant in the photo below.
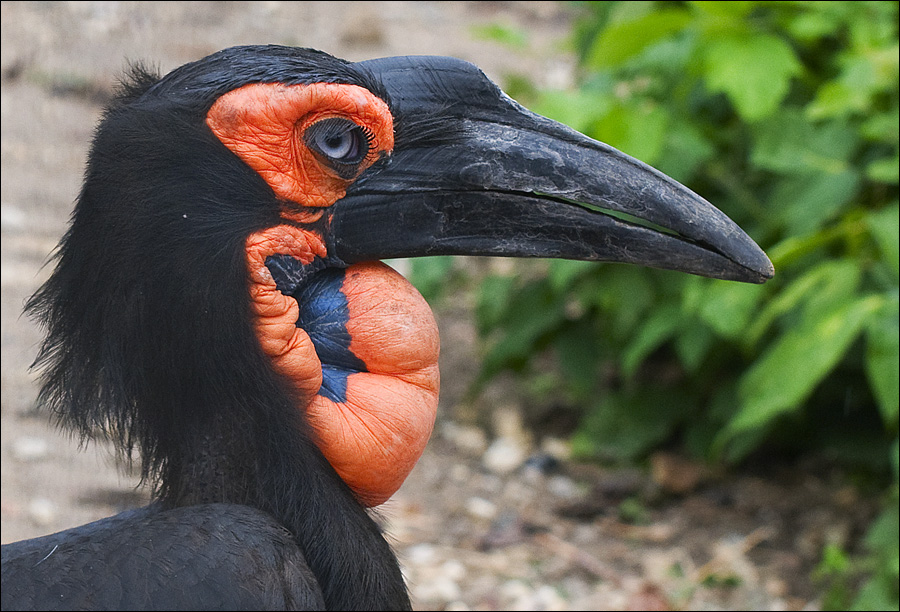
(784, 115)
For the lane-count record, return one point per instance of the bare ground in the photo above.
(474, 527)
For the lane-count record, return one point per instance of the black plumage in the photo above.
(149, 343)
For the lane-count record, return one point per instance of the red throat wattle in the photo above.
(375, 434)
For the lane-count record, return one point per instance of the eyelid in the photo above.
(338, 127)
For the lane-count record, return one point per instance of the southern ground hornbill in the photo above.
(218, 305)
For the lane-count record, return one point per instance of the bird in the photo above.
(220, 310)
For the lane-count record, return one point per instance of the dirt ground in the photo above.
(476, 525)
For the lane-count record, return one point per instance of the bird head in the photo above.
(221, 266)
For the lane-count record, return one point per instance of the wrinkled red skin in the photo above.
(374, 438)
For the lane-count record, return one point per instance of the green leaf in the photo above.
(803, 203)
(790, 370)
(511, 36)
(728, 307)
(874, 25)
(834, 560)
(834, 279)
(895, 459)
(684, 150)
(430, 274)
(579, 359)
(883, 542)
(737, 9)
(563, 272)
(883, 362)
(884, 535)
(811, 25)
(622, 41)
(753, 71)
(700, 432)
(578, 109)
(622, 293)
(789, 143)
(883, 226)
(693, 344)
(734, 449)
(884, 127)
(693, 293)
(885, 170)
(664, 62)
(850, 93)
(835, 99)
(839, 287)
(639, 131)
(659, 327)
(529, 314)
(624, 426)
(494, 297)
(878, 593)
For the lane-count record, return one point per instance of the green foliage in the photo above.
(839, 572)
(785, 116)
(501, 33)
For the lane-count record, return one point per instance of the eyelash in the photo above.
(338, 127)
(369, 136)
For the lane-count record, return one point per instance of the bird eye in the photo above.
(339, 140)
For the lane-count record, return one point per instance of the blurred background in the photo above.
(609, 437)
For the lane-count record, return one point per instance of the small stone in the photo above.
(540, 464)
(514, 590)
(481, 508)
(776, 587)
(439, 588)
(467, 438)
(421, 554)
(503, 456)
(453, 569)
(41, 511)
(676, 474)
(508, 424)
(30, 448)
(12, 217)
(546, 597)
(557, 448)
(562, 487)
(460, 473)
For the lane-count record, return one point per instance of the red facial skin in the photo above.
(374, 438)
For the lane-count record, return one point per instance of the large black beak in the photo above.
(475, 173)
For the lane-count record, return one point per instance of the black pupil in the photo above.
(335, 141)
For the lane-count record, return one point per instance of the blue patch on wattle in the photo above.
(324, 315)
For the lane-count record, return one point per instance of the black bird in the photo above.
(217, 305)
